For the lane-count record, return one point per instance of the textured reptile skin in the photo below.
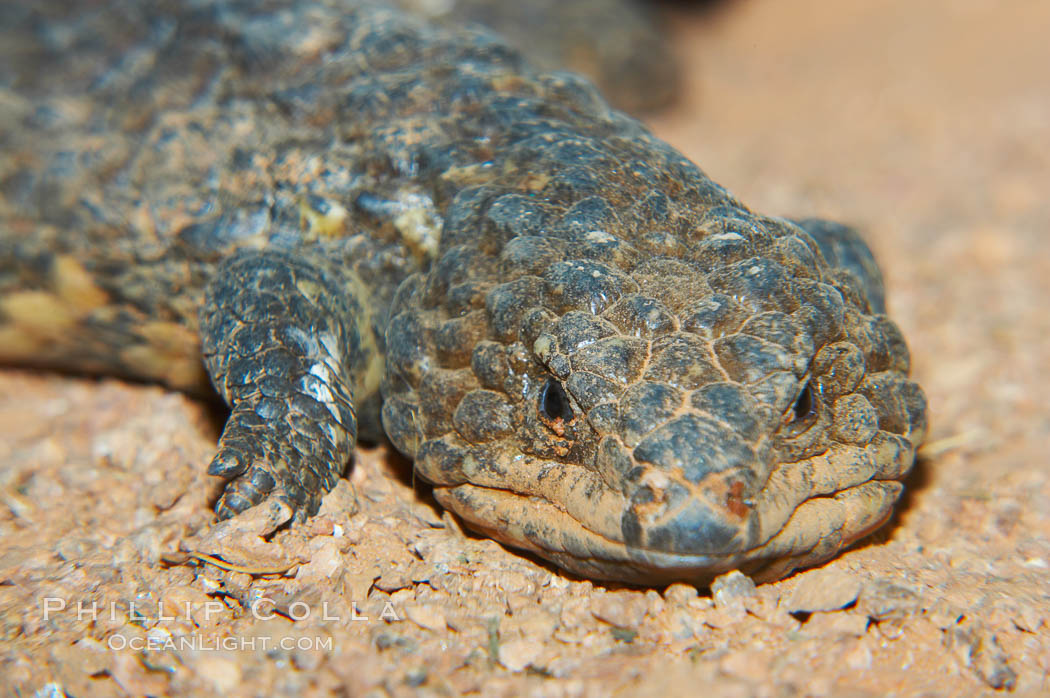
(592, 350)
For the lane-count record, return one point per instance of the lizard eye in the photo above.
(554, 403)
(804, 412)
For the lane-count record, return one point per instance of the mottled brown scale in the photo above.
(352, 221)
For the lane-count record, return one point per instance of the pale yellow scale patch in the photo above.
(508, 83)
(32, 322)
(415, 218)
(368, 382)
(74, 286)
(46, 325)
(171, 355)
(330, 222)
(419, 224)
(531, 181)
(468, 175)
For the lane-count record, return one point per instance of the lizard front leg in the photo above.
(281, 341)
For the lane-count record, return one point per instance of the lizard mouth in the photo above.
(815, 531)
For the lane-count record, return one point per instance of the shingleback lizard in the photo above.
(367, 224)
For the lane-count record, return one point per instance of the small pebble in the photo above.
(623, 609)
(823, 590)
(427, 616)
(730, 590)
(515, 655)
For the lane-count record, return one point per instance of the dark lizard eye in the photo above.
(804, 412)
(554, 403)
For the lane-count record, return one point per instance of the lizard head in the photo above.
(651, 406)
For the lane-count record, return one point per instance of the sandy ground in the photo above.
(928, 125)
